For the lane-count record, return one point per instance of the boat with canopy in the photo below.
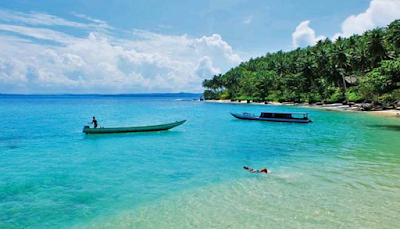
(296, 117)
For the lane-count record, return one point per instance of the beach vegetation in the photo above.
(360, 68)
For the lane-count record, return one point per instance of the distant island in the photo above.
(361, 68)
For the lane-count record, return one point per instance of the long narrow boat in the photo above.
(167, 126)
(296, 117)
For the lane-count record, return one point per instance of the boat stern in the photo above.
(85, 128)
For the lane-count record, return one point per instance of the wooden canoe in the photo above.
(111, 130)
(274, 117)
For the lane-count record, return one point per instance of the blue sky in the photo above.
(86, 46)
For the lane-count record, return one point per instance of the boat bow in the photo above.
(132, 129)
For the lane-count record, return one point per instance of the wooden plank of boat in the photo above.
(132, 129)
(247, 116)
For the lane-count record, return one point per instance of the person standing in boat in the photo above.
(94, 121)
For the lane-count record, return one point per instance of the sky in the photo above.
(154, 46)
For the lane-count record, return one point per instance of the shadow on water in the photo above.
(386, 127)
(10, 146)
(269, 122)
(132, 135)
(13, 144)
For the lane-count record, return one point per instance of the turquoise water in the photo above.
(342, 171)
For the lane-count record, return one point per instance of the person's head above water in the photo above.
(264, 170)
(246, 167)
(94, 117)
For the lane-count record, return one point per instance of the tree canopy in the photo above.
(359, 68)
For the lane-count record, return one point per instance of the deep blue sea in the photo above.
(341, 171)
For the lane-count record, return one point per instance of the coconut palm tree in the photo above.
(375, 45)
(340, 59)
(393, 35)
(360, 57)
(322, 67)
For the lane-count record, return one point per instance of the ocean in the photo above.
(341, 171)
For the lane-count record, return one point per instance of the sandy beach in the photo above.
(332, 107)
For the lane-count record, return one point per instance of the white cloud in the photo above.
(217, 46)
(44, 19)
(304, 35)
(248, 19)
(205, 68)
(40, 33)
(102, 63)
(36, 18)
(162, 26)
(98, 23)
(380, 13)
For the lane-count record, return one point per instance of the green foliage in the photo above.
(244, 97)
(336, 96)
(313, 97)
(393, 37)
(354, 97)
(211, 95)
(392, 97)
(224, 95)
(324, 72)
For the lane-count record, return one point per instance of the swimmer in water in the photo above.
(264, 170)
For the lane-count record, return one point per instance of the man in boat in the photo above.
(94, 121)
(264, 170)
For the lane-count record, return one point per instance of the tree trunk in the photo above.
(344, 89)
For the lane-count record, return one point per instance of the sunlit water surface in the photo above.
(341, 171)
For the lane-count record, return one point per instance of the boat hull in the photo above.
(257, 118)
(113, 130)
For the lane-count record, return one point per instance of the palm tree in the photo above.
(280, 66)
(375, 46)
(360, 58)
(308, 68)
(215, 84)
(393, 35)
(340, 60)
(231, 80)
(327, 41)
(264, 83)
(322, 60)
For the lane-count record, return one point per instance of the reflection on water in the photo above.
(133, 134)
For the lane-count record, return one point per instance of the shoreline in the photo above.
(331, 107)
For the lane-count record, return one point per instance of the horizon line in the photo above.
(153, 93)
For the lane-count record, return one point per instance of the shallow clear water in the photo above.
(342, 170)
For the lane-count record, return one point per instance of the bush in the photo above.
(392, 97)
(353, 97)
(313, 97)
(274, 97)
(244, 97)
(224, 95)
(336, 97)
